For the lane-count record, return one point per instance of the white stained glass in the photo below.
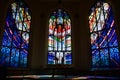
(50, 48)
(68, 31)
(19, 25)
(50, 42)
(101, 21)
(50, 31)
(69, 48)
(63, 32)
(99, 26)
(55, 45)
(94, 36)
(14, 7)
(25, 36)
(69, 22)
(60, 20)
(17, 17)
(55, 32)
(59, 56)
(24, 26)
(69, 38)
(50, 21)
(102, 16)
(50, 38)
(29, 17)
(13, 14)
(59, 46)
(63, 44)
(94, 27)
(97, 16)
(91, 16)
(21, 13)
(106, 6)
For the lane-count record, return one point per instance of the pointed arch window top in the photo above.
(60, 17)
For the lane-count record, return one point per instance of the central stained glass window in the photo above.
(59, 39)
(104, 43)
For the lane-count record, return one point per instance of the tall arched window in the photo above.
(59, 39)
(15, 41)
(104, 43)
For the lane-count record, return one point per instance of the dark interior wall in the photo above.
(40, 13)
(2, 16)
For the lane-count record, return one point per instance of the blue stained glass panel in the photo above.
(114, 57)
(68, 58)
(23, 58)
(4, 56)
(110, 20)
(112, 38)
(16, 39)
(95, 58)
(104, 58)
(9, 20)
(14, 57)
(103, 39)
(6, 39)
(51, 58)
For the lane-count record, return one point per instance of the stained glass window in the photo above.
(59, 39)
(15, 41)
(104, 43)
